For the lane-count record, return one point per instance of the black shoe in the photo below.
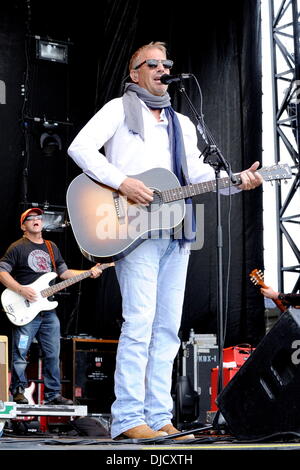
(59, 400)
(20, 398)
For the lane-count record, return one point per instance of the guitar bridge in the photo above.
(119, 206)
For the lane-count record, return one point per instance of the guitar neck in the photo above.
(280, 305)
(191, 190)
(51, 290)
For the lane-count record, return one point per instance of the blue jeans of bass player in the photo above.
(45, 327)
(152, 282)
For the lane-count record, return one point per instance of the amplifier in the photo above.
(228, 373)
(88, 367)
(233, 359)
(237, 355)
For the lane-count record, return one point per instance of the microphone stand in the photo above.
(214, 157)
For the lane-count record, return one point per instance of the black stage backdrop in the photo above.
(219, 42)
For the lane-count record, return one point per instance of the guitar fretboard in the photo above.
(275, 172)
(191, 190)
(51, 290)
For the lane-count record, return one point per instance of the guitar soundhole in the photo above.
(157, 201)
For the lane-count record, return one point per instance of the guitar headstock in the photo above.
(276, 172)
(257, 277)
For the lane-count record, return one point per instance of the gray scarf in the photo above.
(133, 108)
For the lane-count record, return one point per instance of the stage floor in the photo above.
(85, 443)
(142, 454)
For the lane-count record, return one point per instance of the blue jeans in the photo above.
(45, 327)
(152, 282)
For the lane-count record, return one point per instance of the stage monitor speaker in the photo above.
(263, 398)
(4, 368)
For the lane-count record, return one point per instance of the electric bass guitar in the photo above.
(107, 226)
(20, 311)
(257, 277)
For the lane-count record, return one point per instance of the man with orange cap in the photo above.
(23, 263)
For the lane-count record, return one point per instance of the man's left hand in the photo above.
(96, 271)
(250, 178)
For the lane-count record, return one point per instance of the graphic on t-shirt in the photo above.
(39, 261)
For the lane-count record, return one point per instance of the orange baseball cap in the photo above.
(28, 211)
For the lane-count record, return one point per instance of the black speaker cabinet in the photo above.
(88, 367)
(263, 398)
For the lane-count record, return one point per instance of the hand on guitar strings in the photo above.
(28, 293)
(136, 191)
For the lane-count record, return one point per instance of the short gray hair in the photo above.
(134, 61)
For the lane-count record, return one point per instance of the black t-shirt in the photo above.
(27, 261)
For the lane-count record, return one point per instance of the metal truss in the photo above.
(285, 59)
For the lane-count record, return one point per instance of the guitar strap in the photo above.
(50, 249)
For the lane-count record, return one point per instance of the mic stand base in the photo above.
(219, 423)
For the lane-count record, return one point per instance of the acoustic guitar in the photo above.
(107, 226)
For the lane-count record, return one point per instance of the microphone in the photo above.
(166, 78)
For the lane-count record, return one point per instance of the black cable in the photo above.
(270, 437)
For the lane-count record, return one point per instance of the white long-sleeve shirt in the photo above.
(126, 154)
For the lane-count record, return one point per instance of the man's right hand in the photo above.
(136, 191)
(29, 293)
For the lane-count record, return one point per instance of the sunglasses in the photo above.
(153, 63)
(33, 217)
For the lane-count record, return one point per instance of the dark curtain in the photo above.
(220, 45)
